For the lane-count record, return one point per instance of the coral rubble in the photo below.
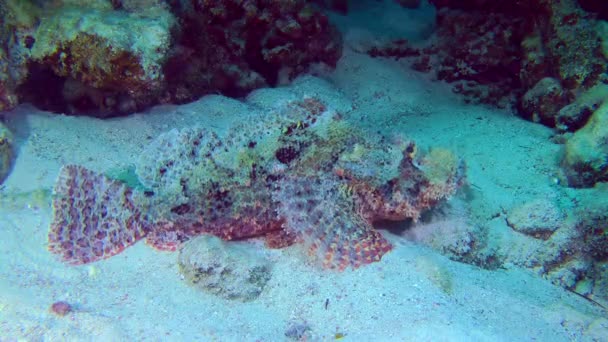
(298, 174)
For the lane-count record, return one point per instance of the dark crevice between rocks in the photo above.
(50, 92)
(43, 89)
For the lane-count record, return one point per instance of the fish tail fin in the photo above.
(94, 217)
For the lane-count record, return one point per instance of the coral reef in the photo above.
(86, 55)
(235, 46)
(291, 177)
(8, 99)
(504, 50)
(476, 51)
(340, 6)
(108, 58)
(105, 60)
(230, 271)
(6, 152)
(576, 114)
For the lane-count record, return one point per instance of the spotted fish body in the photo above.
(297, 175)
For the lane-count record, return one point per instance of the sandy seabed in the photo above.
(413, 294)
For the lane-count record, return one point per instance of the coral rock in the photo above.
(543, 102)
(477, 51)
(108, 58)
(586, 159)
(497, 51)
(593, 224)
(230, 271)
(110, 53)
(574, 116)
(538, 218)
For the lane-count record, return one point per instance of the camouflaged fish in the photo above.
(299, 174)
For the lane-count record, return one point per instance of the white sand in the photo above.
(414, 294)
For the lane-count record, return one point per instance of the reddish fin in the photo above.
(94, 217)
(322, 214)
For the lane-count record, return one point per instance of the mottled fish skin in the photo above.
(298, 174)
